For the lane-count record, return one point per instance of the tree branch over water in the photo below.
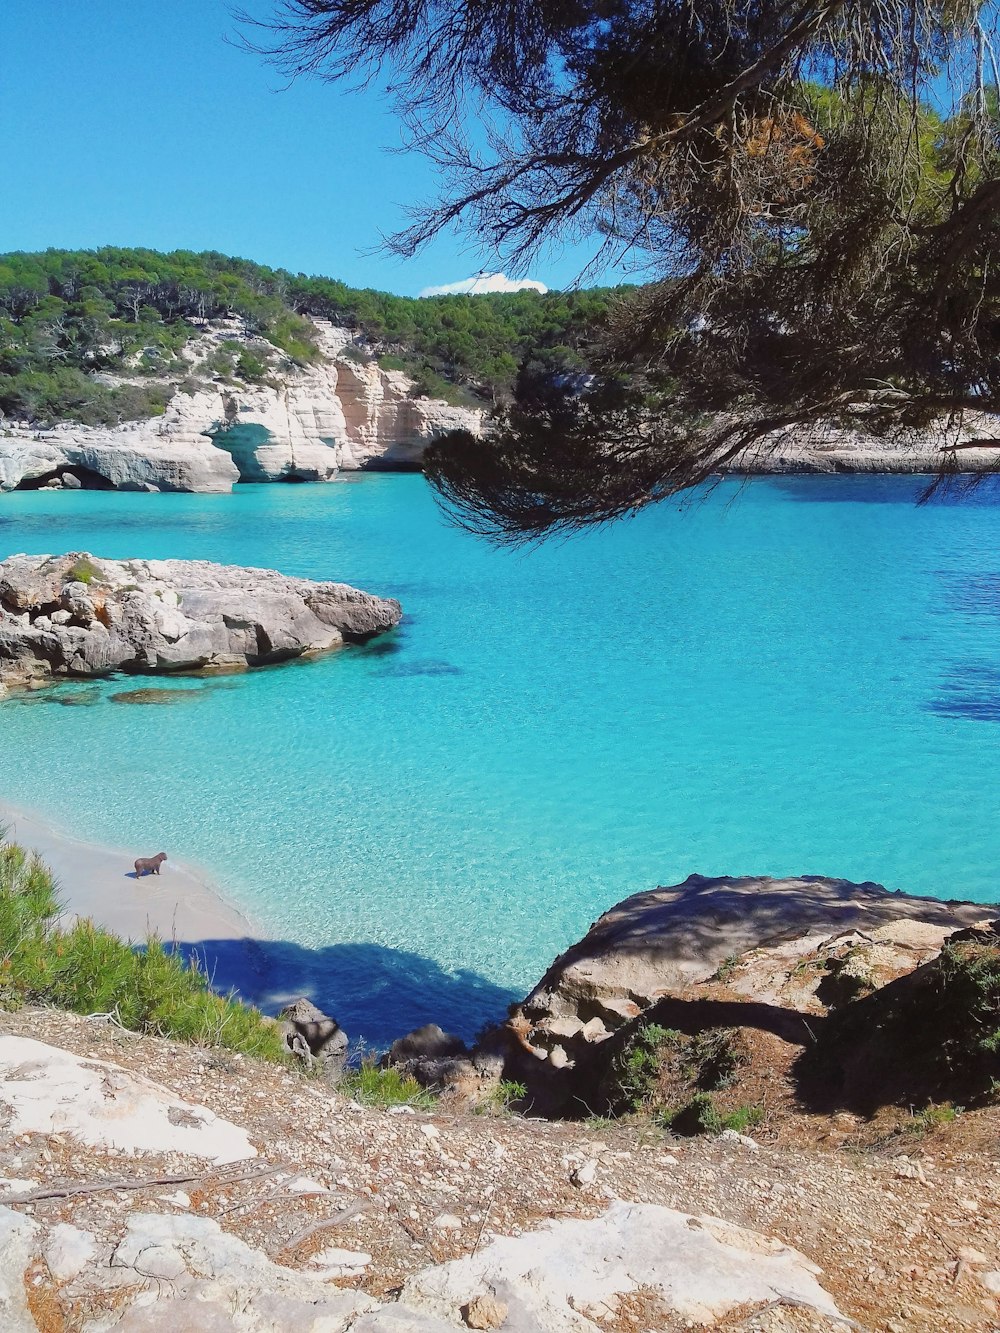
(815, 187)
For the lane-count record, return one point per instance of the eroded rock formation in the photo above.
(797, 947)
(304, 424)
(76, 615)
(829, 448)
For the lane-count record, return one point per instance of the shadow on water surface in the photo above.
(427, 668)
(971, 692)
(971, 594)
(373, 991)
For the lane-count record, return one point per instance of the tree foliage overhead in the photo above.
(815, 185)
(70, 320)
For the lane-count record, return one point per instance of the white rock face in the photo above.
(571, 1273)
(129, 459)
(340, 414)
(18, 1237)
(201, 1277)
(828, 448)
(76, 615)
(47, 1091)
(169, 1272)
(68, 1251)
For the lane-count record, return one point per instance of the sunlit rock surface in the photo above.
(76, 615)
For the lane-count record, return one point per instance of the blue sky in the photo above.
(133, 122)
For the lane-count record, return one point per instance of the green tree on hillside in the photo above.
(92, 311)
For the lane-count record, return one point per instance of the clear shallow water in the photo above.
(799, 676)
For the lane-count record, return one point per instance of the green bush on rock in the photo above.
(930, 1037)
(372, 1086)
(89, 970)
(654, 1061)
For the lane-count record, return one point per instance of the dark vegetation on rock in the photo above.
(73, 322)
(933, 1035)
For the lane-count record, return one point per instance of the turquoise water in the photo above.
(802, 675)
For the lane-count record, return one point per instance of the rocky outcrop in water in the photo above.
(77, 615)
(342, 414)
(133, 458)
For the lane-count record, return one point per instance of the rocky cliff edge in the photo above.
(310, 423)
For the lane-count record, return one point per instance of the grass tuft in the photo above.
(372, 1086)
(504, 1098)
(700, 1115)
(84, 571)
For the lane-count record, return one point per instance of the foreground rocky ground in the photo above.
(147, 1185)
(344, 1215)
(77, 615)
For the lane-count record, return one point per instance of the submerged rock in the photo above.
(76, 615)
(154, 696)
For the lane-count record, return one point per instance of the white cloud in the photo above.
(485, 282)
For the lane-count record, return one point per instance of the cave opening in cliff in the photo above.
(74, 477)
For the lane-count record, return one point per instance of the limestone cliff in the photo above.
(304, 424)
(829, 448)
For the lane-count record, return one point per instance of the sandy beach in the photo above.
(98, 882)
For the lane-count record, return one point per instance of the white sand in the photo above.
(180, 904)
(98, 882)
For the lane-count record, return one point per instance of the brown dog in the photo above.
(149, 865)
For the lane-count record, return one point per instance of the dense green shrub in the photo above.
(700, 1115)
(66, 314)
(967, 1000)
(713, 1057)
(635, 1068)
(88, 970)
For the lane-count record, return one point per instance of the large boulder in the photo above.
(76, 615)
(797, 945)
(124, 459)
(432, 1056)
